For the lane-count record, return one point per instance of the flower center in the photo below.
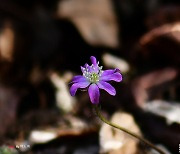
(92, 73)
(94, 78)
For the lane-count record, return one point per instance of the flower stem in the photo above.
(126, 131)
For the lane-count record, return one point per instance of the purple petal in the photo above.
(82, 69)
(94, 93)
(93, 60)
(78, 78)
(86, 65)
(90, 69)
(78, 85)
(110, 71)
(107, 87)
(111, 77)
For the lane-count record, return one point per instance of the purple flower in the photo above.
(94, 78)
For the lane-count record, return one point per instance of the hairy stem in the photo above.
(126, 131)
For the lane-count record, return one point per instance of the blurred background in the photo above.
(42, 46)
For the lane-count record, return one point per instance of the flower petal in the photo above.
(94, 93)
(86, 65)
(111, 77)
(110, 71)
(93, 60)
(78, 78)
(107, 87)
(83, 68)
(78, 85)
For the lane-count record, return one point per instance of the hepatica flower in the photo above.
(95, 78)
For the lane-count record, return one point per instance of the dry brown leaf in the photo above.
(8, 108)
(142, 84)
(7, 37)
(114, 141)
(112, 61)
(171, 30)
(161, 46)
(164, 15)
(95, 20)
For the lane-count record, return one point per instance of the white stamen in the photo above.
(93, 73)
